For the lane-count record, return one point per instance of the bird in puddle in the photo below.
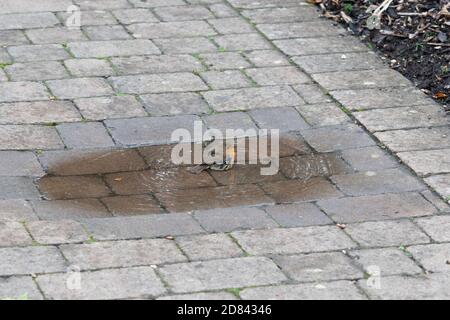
(225, 165)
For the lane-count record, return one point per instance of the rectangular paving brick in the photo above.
(440, 183)
(89, 67)
(158, 83)
(231, 25)
(17, 6)
(252, 98)
(84, 135)
(102, 5)
(178, 29)
(12, 37)
(38, 52)
(193, 45)
(277, 76)
(294, 240)
(70, 209)
(5, 58)
(323, 114)
(28, 137)
(3, 76)
(267, 58)
(156, 64)
(79, 88)
(132, 205)
(156, 3)
(28, 20)
(310, 29)
(16, 163)
(232, 219)
(30, 260)
(91, 18)
(130, 16)
(432, 257)
(369, 159)
(251, 4)
(105, 33)
(146, 131)
(120, 254)
(99, 49)
(362, 79)
(224, 60)
(298, 215)
(182, 13)
(234, 273)
(75, 187)
(427, 162)
(18, 188)
(57, 232)
(101, 108)
(277, 15)
(377, 182)
(55, 35)
(38, 112)
(228, 79)
(312, 46)
(32, 71)
(284, 119)
(17, 288)
(242, 42)
(143, 226)
(436, 227)
(378, 207)
(16, 210)
(22, 91)
(402, 118)
(13, 234)
(126, 283)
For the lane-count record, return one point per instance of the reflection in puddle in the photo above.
(144, 180)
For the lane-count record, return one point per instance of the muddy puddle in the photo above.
(144, 180)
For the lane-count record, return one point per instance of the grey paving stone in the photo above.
(89, 67)
(70, 209)
(57, 232)
(79, 88)
(388, 261)
(325, 45)
(13, 234)
(16, 163)
(427, 162)
(178, 29)
(146, 131)
(3, 76)
(369, 159)
(44, 70)
(362, 79)
(91, 18)
(429, 287)
(436, 227)
(220, 295)
(381, 98)
(337, 138)
(28, 137)
(17, 6)
(30, 260)
(5, 58)
(229, 120)
(84, 135)
(221, 274)
(12, 38)
(16, 210)
(143, 226)
(19, 288)
(209, 246)
(110, 107)
(311, 29)
(295, 240)
(377, 182)
(38, 52)
(379, 207)
(284, 119)
(312, 94)
(156, 3)
(221, 10)
(281, 15)
(22, 91)
(192, 45)
(339, 62)
(228, 79)
(386, 233)
(18, 188)
(415, 139)
(440, 183)
(318, 267)
(252, 98)
(433, 257)
(231, 25)
(157, 64)
(402, 118)
(102, 5)
(100, 49)
(121, 254)
(323, 114)
(174, 103)
(336, 290)
(266, 58)
(38, 112)
(105, 33)
(158, 83)
(111, 284)
(55, 35)
(231, 219)
(436, 200)
(130, 16)
(182, 13)
(298, 215)
(251, 4)
(242, 42)
(277, 76)
(224, 60)
(27, 20)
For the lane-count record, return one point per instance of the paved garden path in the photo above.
(139, 69)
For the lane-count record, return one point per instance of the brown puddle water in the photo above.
(102, 183)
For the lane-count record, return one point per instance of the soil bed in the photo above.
(414, 35)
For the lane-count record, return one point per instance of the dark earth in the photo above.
(412, 34)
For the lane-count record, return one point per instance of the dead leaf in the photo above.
(440, 95)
